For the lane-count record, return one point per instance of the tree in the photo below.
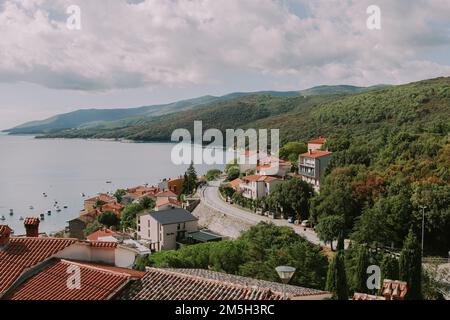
(336, 197)
(410, 266)
(109, 219)
(226, 191)
(291, 150)
(233, 173)
(389, 267)
(129, 213)
(119, 194)
(99, 203)
(336, 278)
(147, 203)
(213, 174)
(190, 180)
(360, 275)
(329, 228)
(92, 227)
(293, 196)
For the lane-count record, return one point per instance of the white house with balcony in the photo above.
(257, 187)
(312, 166)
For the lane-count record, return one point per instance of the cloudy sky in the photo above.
(141, 52)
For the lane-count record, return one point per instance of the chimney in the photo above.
(5, 232)
(32, 227)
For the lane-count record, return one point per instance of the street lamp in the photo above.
(285, 273)
(423, 225)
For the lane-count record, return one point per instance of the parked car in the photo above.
(291, 220)
(306, 224)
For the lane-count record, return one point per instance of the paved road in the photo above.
(210, 197)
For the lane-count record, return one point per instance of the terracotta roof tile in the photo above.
(316, 154)
(320, 140)
(168, 193)
(103, 244)
(97, 282)
(160, 284)
(31, 221)
(22, 253)
(199, 284)
(294, 291)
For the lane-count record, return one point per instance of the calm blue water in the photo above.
(64, 169)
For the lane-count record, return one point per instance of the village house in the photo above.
(91, 203)
(134, 195)
(257, 187)
(312, 164)
(317, 144)
(95, 206)
(163, 229)
(275, 167)
(173, 185)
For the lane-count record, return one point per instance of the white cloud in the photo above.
(189, 42)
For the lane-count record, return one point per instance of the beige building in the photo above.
(257, 187)
(163, 229)
(316, 144)
(312, 166)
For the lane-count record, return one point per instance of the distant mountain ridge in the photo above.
(104, 119)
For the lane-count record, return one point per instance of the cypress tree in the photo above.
(410, 266)
(336, 278)
(360, 275)
(389, 268)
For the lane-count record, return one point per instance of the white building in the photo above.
(163, 229)
(257, 187)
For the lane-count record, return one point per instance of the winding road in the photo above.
(210, 197)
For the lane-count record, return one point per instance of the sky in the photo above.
(129, 53)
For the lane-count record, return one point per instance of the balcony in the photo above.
(306, 171)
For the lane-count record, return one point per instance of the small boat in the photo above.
(58, 209)
(83, 195)
(31, 207)
(44, 195)
(108, 182)
(49, 213)
(11, 212)
(3, 218)
(42, 215)
(21, 219)
(65, 207)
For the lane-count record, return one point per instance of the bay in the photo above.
(64, 169)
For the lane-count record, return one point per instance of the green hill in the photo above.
(423, 105)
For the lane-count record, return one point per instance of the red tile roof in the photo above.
(316, 154)
(260, 178)
(5, 230)
(102, 197)
(168, 194)
(235, 183)
(161, 202)
(103, 244)
(31, 221)
(100, 234)
(160, 284)
(96, 282)
(320, 140)
(22, 253)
